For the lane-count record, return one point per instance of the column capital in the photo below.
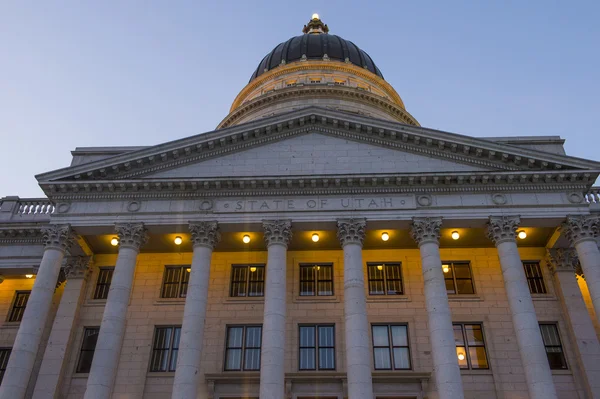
(205, 234)
(562, 259)
(426, 229)
(58, 236)
(77, 267)
(503, 228)
(581, 228)
(131, 235)
(277, 231)
(351, 231)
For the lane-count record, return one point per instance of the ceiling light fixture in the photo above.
(178, 240)
(315, 237)
(385, 236)
(114, 241)
(522, 234)
(246, 239)
(455, 235)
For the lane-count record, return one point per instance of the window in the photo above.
(385, 279)
(88, 346)
(315, 80)
(317, 347)
(339, 82)
(535, 280)
(242, 350)
(470, 346)
(175, 281)
(290, 83)
(103, 284)
(19, 304)
(458, 278)
(247, 280)
(316, 279)
(165, 348)
(4, 356)
(554, 349)
(390, 347)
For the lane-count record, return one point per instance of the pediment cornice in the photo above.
(137, 164)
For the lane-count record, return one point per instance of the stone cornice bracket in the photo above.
(562, 259)
(503, 228)
(58, 236)
(205, 234)
(77, 267)
(579, 228)
(131, 235)
(277, 232)
(426, 229)
(351, 231)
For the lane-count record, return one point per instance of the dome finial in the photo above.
(315, 26)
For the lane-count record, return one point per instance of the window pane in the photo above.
(258, 275)
(326, 358)
(401, 358)
(399, 336)
(252, 359)
(307, 336)
(162, 339)
(464, 286)
(234, 338)
(238, 273)
(85, 362)
(382, 358)
(233, 359)
(458, 335)
(462, 270)
(325, 272)
(556, 358)
(474, 334)
(325, 336)
(307, 288)
(394, 287)
(461, 353)
(380, 336)
(550, 334)
(325, 288)
(307, 273)
(450, 285)
(90, 337)
(478, 357)
(375, 273)
(256, 288)
(253, 337)
(376, 288)
(307, 359)
(238, 289)
(173, 363)
(393, 272)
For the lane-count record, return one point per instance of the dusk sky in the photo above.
(132, 73)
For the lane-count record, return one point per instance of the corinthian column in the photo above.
(112, 329)
(562, 264)
(205, 235)
(351, 233)
(272, 374)
(581, 231)
(503, 231)
(426, 232)
(57, 239)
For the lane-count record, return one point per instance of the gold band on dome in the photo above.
(317, 64)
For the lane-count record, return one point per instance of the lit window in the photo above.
(88, 346)
(315, 80)
(390, 347)
(385, 278)
(316, 279)
(470, 346)
(103, 284)
(291, 83)
(247, 280)
(175, 281)
(458, 278)
(535, 280)
(317, 347)
(242, 349)
(165, 348)
(554, 349)
(19, 304)
(4, 356)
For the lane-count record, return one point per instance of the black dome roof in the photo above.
(315, 47)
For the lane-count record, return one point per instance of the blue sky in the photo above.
(116, 73)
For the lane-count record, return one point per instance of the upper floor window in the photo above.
(291, 83)
(339, 82)
(316, 279)
(165, 348)
(390, 347)
(317, 347)
(4, 356)
(103, 284)
(175, 281)
(242, 349)
(535, 280)
(88, 346)
(315, 80)
(19, 304)
(470, 346)
(554, 349)
(458, 277)
(247, 280)
(385, 278)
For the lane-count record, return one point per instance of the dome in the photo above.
(316, 44)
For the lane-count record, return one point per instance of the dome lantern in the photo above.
(315, 26)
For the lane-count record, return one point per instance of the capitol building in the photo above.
(318, 244)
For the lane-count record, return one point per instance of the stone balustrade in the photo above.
(593, 196)
(26, 209)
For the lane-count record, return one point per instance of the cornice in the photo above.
(21, 235)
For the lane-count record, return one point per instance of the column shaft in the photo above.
(589, 257)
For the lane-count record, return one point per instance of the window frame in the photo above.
(385, 278)
(455, 279)
(77, 363)
(243, 348)
(316, 347)
(467, 346)
(391, 345)
(98, 284)
(14, 306)
(316, 279)
(4, 360)
(539, 278)
(247, 280)
(170, 349)
(561, 346)
(180, 281)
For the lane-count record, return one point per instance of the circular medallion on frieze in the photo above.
(206, 205)
(499, 199)
(63, 207)
(133, 206)
(424, 200)
(575, 197)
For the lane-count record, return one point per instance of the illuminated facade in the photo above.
(319, 243)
